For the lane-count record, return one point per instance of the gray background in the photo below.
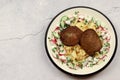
(22, 30)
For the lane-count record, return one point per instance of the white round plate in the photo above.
(87, 13)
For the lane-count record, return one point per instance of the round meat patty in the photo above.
(70, 36)
(90, 41)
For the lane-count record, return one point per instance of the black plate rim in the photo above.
(80, 74)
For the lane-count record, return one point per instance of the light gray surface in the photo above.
(22, 30)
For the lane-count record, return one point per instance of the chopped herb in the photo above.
(91, 65)
(63, 25)
(80, 65)
(48, 37)
(107, 44)
(61, 50)
(73, 65)
(73, 20)
(85, 22)
(101, 52)
(69, 60)
(56, 35)
(76, 12)
(97, 24)
(57, 56)
(61, 45)
(92, 19)
(54, 49)
(101, 37)
(104, 60)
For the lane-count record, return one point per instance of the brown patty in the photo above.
(90, 41)
(70, 36)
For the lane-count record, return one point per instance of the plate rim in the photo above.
(116, 41)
